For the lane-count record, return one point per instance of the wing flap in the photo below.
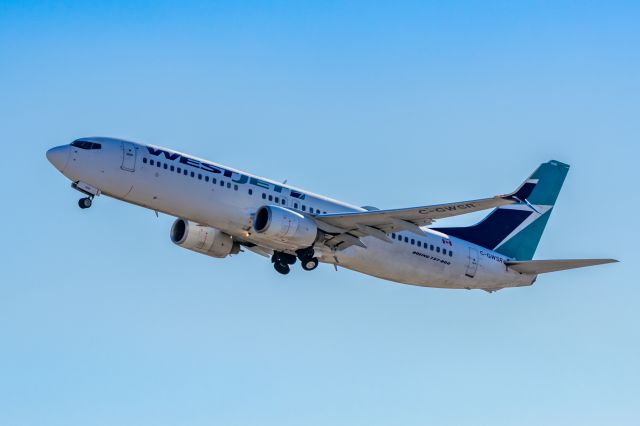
(544, 266)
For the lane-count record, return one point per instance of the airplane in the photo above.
(220, 211)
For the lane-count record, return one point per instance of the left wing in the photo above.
(348, 228)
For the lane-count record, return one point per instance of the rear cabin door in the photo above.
(128, 157)
(472, 267)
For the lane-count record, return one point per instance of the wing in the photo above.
(348, 228)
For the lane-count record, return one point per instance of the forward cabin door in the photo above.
(128, 157)
(472, 267)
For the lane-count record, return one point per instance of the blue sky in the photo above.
(103, 321)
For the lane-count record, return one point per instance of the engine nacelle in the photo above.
(285, 226)
(202, 239)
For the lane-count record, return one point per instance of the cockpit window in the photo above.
(86, 145)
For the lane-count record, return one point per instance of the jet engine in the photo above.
(202, 239)
(285, 226)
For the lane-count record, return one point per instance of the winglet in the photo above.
(523, 192)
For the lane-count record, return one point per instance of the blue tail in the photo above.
(515, 230)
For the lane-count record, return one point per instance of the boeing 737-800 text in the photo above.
(220, 210)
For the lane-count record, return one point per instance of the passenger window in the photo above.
(185, 172)
(228, 185)
(270, 197)
(277, 200)
(419, 244)
(431, 247)
(151, 162)
(264, 196)
(295, 205)
(144, 160)
(222, 183)
(179, 170)
(250, 191)
(437, 249)
(214, 180)
(193, 174)
(393, 236)
(311, 210)
(172, 168)
(413, 242)
(450, 253)
(159, 164)
(199, 176)
(235, 187)
(283, 202)
(304, 208)
(206, 178)
(406, 239)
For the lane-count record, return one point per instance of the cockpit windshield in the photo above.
(86, 145)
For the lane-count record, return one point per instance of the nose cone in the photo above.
(59, 157)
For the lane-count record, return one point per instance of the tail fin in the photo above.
(515, 229)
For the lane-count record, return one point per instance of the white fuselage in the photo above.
(227, 199)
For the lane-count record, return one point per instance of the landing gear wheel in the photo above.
(305, 254)
(310, 264)
(85, 203)
(284, 258)
(283, 268)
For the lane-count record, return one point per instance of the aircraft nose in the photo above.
(59, 157)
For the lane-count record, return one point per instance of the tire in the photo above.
(289, 259)
(282, 268)
(284, 258)
(85, 203)
(310, 265)
(305, 254)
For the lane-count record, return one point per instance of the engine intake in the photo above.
(285, 226)
(203, 239)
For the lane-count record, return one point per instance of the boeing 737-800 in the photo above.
(220, 210)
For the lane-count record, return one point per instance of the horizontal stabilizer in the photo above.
(542, 266)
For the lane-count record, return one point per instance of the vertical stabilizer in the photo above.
(515, 230)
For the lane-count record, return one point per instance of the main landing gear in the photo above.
(282, 261)
(310, 265)
(307, 259)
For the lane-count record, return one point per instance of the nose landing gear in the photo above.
(85, 203)
(88, 190)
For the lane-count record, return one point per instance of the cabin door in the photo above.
(128, 157)
(472, 267)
